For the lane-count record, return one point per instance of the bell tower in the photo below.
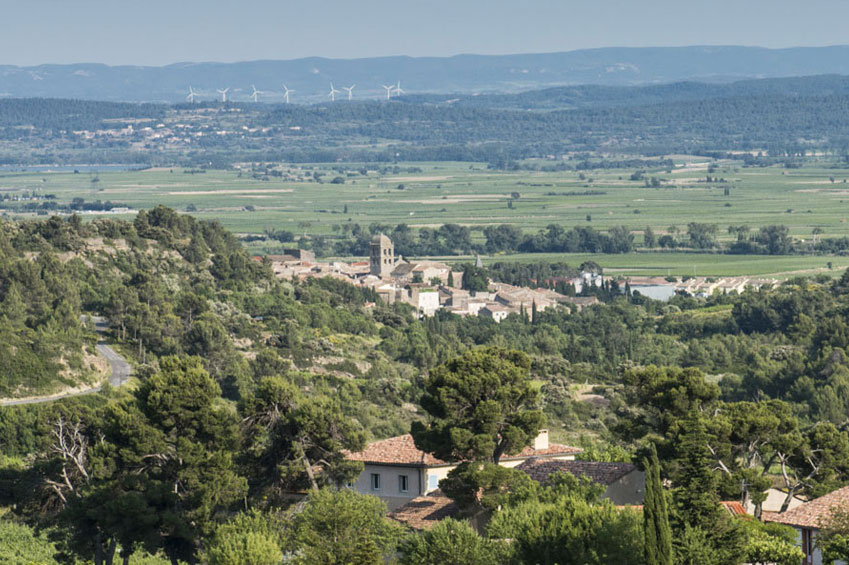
(381, 256)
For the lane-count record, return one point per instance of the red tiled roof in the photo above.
(734, 507)
(425, 512)
(813, 514)
(399, 450)
(602, 473)
(402, 450)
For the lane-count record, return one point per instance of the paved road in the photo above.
(120, 371)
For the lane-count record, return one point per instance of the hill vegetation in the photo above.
(243, 379)
(786, 117)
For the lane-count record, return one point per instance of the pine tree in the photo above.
(658, 546)
(450, 279)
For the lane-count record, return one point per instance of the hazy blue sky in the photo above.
(155, 32)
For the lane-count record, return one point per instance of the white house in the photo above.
(397, 471)
(424, 299)
(808, 518)
(496, 312)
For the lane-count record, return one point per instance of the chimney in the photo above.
(541, 441)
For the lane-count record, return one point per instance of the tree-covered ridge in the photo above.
(598, 96)
(250, 388)
(61, 114)
(41, 337)
(168, 285)
(785, 118)
(172, 285)
(52, 271)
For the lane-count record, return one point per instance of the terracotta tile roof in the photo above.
(734, 507)
(602, 473)
(402, 450)
(813, 514)
(399, 450)
(402, 270)
(425, 512)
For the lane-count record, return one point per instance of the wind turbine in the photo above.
(223, 93)
(286, 93)
(398, 90)
(389, 90)
(255, 94)
(333, 93)
(350, 90)
(191, 96)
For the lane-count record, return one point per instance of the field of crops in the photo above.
(690, 264)
(302, 199)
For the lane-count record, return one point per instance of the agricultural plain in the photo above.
(319, 199)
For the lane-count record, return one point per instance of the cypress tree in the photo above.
(698, 501)
(658, 546)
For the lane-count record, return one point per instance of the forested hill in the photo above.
(59, 114)
(311, 77)
(603, 96)
(249, 387)
(782, 116)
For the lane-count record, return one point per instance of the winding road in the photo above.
(120, 370)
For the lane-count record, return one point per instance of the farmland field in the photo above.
(251, 200)
(688, 264)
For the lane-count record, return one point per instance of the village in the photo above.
(429, 286)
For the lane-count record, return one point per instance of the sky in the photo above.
(159, 32)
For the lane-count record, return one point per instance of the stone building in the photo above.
(381, 256)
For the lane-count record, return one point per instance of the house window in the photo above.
(403, 483)
(432, 482)
(375, 481)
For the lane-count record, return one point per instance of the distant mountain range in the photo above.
(310, 78)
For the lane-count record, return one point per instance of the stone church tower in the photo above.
(382, 256)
